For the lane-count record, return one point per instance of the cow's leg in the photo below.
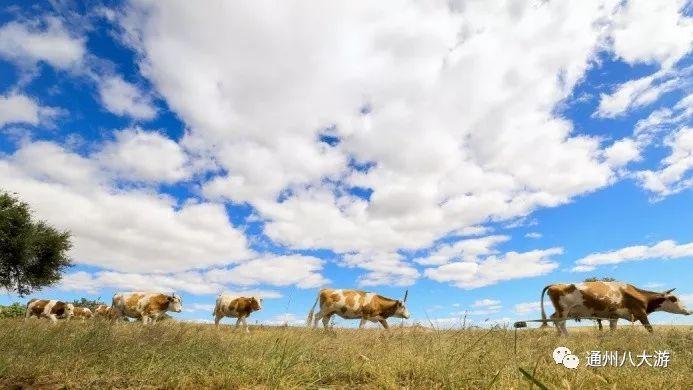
(217, 318)
(362, 323)
(612, 324)
(383, 322)
(245, 323)
(556, 323)
(326, 320)
(238, 321)
(145, 320)
(642, 317)
(560, 326)
(599, 322)
(316, 319)
(53, 318)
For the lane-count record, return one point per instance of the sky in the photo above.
(469, 151)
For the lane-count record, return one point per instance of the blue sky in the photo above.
(470, 152)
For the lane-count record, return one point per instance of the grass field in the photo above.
(97, 354)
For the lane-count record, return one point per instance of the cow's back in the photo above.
(347, 303)
(128, 303)
(232, 306)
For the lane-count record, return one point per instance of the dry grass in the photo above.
(179, 355)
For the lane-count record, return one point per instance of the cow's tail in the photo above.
(309, 320)
(543, 313)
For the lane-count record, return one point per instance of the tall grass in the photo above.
(182, 355)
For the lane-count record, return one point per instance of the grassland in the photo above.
(97, 354)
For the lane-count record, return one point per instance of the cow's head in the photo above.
(672, 304)
(175, 303)
(255, 303)
(401, 308)
(69, 310)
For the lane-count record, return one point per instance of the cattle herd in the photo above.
(609, 300)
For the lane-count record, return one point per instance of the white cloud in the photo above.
(486, 303)
(431, 79)
(148, 156)
(52, 43)
(383, 269)
(652, 31)
(196, 283)
(465, 250)
(623, 151)
(674, 175)
(484, 307)
(534, 235)
(17, 109)
(666, 249)
(495, 268)
(193, 307)
(290, 319)
(123, 98)
(527, 307)
(127, 230)
(640, 92)
(666, 118)
(302, 271)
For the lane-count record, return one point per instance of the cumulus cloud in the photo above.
(126, 99)
(465, 250)
(666, 249)
(622, 152)
(675, 173)
(287, 270)
(664, 119)
(290, 319)
(641, 92)
(137, 155)
(494, 268)
(193, 307)
(124, 230)
(648, 32)
(383, 269)
(390, 88)
(186, 282)
(527, 307)
(21, 109)
(486, 306)
(652, 31)
(50, 41)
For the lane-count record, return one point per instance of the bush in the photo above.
(15, 310)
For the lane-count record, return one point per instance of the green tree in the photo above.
(32, 253)
(91, 304)
(14, 310)
(606, 279)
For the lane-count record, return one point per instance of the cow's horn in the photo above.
(406, 294)
(669, 291)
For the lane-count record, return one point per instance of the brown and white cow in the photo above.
(237, 307)
(613, 300)
(51, 309)
(102, 311)
(356, 304)
(83, 313)
(148, 306)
